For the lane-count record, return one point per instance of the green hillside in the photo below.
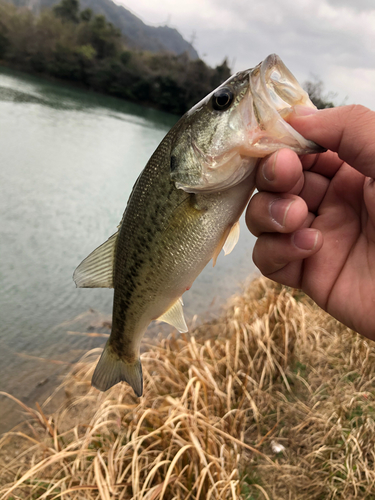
(79, 46)
(138, 34)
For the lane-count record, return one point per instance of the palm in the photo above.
(341, 275)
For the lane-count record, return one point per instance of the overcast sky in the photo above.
(333, 39)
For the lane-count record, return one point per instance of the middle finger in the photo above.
(282, 213)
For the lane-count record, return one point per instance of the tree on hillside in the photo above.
(104, 37)
(222, 73)
(4, 42)
(86, 15)
(67, 10)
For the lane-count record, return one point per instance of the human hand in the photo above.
(314, 216)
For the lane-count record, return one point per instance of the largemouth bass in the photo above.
(185, 206)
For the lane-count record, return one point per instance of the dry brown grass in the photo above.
(275, 368)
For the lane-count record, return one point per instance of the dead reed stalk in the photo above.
(273, 369)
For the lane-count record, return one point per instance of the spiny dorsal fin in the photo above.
(232, 239)
(96, 271)
(228, 241)
(175, 316)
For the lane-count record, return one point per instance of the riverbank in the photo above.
(274, 400)
(85, 49)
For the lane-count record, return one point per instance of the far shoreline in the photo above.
(81, 87)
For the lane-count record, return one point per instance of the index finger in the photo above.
(326, 164)
(347, 130)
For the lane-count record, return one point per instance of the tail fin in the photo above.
(111, 370)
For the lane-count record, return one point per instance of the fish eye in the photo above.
(222, 99)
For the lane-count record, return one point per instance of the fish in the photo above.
(185, 208)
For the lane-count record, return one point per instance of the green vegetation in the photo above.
(272, 401)
(81, 47)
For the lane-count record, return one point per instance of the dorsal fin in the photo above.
(175, 316)
(96, 271)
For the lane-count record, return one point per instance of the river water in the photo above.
(68, 161)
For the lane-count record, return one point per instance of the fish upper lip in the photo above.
(284, 89)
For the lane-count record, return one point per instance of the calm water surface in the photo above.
(68, 161)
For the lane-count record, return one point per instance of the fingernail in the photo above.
(268, 169)
(279, 210)
(299, 110)
(305, 239)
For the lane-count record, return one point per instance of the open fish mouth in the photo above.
(278, 86)
(274, 91)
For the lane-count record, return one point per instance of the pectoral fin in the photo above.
(96, 271)
(232, 239)
(175, 317)
(228, 241)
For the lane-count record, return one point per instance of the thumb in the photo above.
(347, 130)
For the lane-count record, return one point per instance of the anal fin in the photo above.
(175, 316)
